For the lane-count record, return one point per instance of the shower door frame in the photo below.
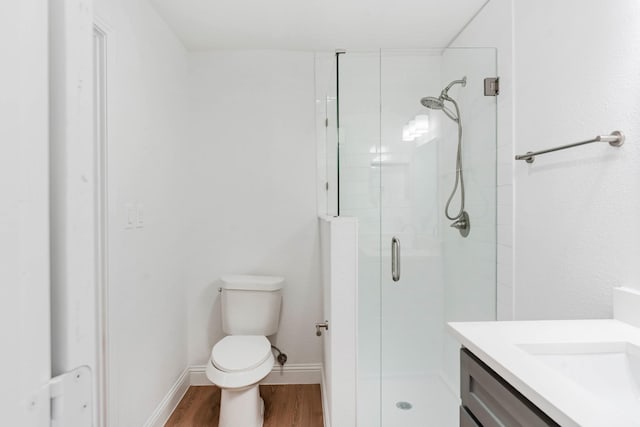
(384, 280)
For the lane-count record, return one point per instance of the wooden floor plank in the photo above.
(296, 405)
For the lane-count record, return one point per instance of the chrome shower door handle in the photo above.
(395, 259)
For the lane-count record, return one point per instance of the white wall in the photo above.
(576, 211)
(24, 214)
(253, 169)
(147, 152)
(493, 28)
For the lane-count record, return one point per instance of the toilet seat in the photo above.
(235, 353)
(250, 368)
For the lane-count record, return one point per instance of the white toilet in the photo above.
(239, 361)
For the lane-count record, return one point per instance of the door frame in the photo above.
(100, 115)
(72, 176)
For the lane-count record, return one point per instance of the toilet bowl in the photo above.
(237, 365)
(243, 358)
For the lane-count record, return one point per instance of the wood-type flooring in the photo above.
(298, 405)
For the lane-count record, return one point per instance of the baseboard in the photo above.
(325, 402)
(198, 376)
(170, 401)
(302, 373)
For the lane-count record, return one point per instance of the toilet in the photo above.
(243, 358)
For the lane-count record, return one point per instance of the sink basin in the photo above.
(609, 370)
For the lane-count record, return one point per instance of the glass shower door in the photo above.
(439, 275)
(397, 168)
(411, 305)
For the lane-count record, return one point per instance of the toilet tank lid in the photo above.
(252, 283)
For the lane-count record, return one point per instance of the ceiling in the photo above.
(316, 24)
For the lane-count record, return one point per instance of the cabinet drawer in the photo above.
(493, 401)
(467, 420)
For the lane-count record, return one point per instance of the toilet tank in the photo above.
(251, 304)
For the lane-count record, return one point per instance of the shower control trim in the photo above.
(395, 259)
(463, 224)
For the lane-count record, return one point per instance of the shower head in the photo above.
(432, 102)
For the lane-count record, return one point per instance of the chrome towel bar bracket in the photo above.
(616, 139)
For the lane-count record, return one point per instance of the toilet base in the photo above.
(241, 407)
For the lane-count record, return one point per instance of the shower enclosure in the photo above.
(392, 163)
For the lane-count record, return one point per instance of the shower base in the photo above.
(432, 403)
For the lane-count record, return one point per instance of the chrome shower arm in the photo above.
(445, 91)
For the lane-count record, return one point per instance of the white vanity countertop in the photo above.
(570, 405)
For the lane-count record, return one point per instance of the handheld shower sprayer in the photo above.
(434, 103)
(461, 219)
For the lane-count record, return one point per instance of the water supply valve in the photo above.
(319, 327)
(281, 358)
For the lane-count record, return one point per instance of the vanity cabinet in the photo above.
(489, 401)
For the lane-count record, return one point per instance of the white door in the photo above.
(24, 215)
